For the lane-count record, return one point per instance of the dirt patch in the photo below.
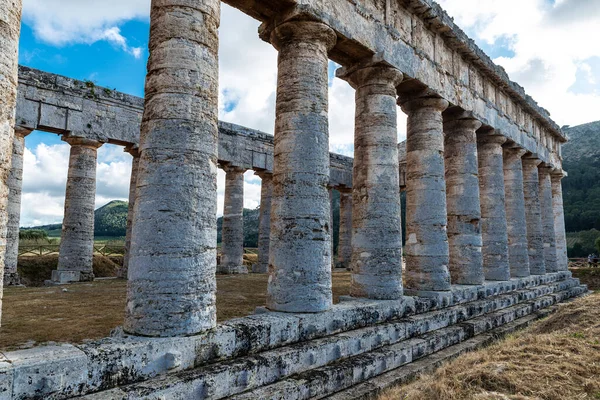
(34, 270)
(557, 358)
(588, 276)
(35, 315)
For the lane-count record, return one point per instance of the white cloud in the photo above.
(62, 22)
(550, 43)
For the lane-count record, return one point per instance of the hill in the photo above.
(581, 189)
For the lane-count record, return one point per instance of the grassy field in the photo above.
(557, 358)
(31, 316)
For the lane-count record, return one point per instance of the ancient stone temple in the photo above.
(485, 247)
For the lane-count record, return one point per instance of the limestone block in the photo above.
(6, 378)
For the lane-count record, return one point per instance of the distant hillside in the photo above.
(109, 220)
(581, 189)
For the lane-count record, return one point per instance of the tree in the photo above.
(598, 244)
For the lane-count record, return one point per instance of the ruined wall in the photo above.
(58, 104)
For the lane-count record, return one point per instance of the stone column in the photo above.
(10, 26)
(426, 248)
(518, 255)
(547, 213)
(462, 197)
(332, 228)
(135, 161)
(494, 229)
(232, 234)
(264, 223)
(537, 265)
(562, 260)
(76, 253)
(377, 228)
(345, 243)
(15, 184)
(171, 287)
(300, 252)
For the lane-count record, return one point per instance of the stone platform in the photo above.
(276, 355)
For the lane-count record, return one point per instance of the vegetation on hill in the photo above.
(111, 219)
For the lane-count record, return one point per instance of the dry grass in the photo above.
(34, 270)
(556, 358)
(90, 310)
(589, 276)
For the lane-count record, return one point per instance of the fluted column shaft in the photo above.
(171, 287)
(135, 162)
(518, 255)
(345, 242)
(426, 247)
(300, 252)
(76, 254)
(10, 29)
(562, 260)
(537, 265)
(493, 213)
(232, 234)
(547, 213)
(376, 220)
(264, 222)
(15, 185)
(462, 197)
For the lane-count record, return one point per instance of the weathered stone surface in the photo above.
(345, 242)
(135, 162)
(264, 222)
(462, 197)
(172, 263)
(75, 259)
(562, 260)
(331, 206)
(232, 236)
(547, 214)
(533, 215)
(300, 252)
(15, 184)
(376, 221)
(426, 247)
(493, 212)
(518, 254)
(10, 26)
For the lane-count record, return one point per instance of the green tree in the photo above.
(598, 245)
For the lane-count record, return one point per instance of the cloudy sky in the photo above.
(550, 47)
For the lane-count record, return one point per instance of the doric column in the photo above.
(547, 213)
(264, 223)
(10, 26)
(537, 265)
(135, 162)
(76, 253)
(300, 253)
(331, 227)
(232, 233)
(15, 185)
(462, 197)
(518, 254)
(377, 229)
(345, 242)
(493, 213)
(426, 247)
(171, 287)
(562, 260)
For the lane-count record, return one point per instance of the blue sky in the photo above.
(549, 46)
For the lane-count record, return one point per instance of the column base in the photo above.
(65, 276)
(230, 270)
(12, 279)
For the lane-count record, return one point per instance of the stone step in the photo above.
(231, 377)
(324, 381)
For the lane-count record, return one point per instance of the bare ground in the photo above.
(31, 316)
(556, 358)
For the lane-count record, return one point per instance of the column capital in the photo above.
(22, 132)
(531, 161)
(409, 104)
(558, 174)
(303, 31)
(133, 150)
(490, 136)
(228, 168)
(82, 142)
(515, 150)
(365, 74)
(461, 124)
(545, 168)
(264, 174)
